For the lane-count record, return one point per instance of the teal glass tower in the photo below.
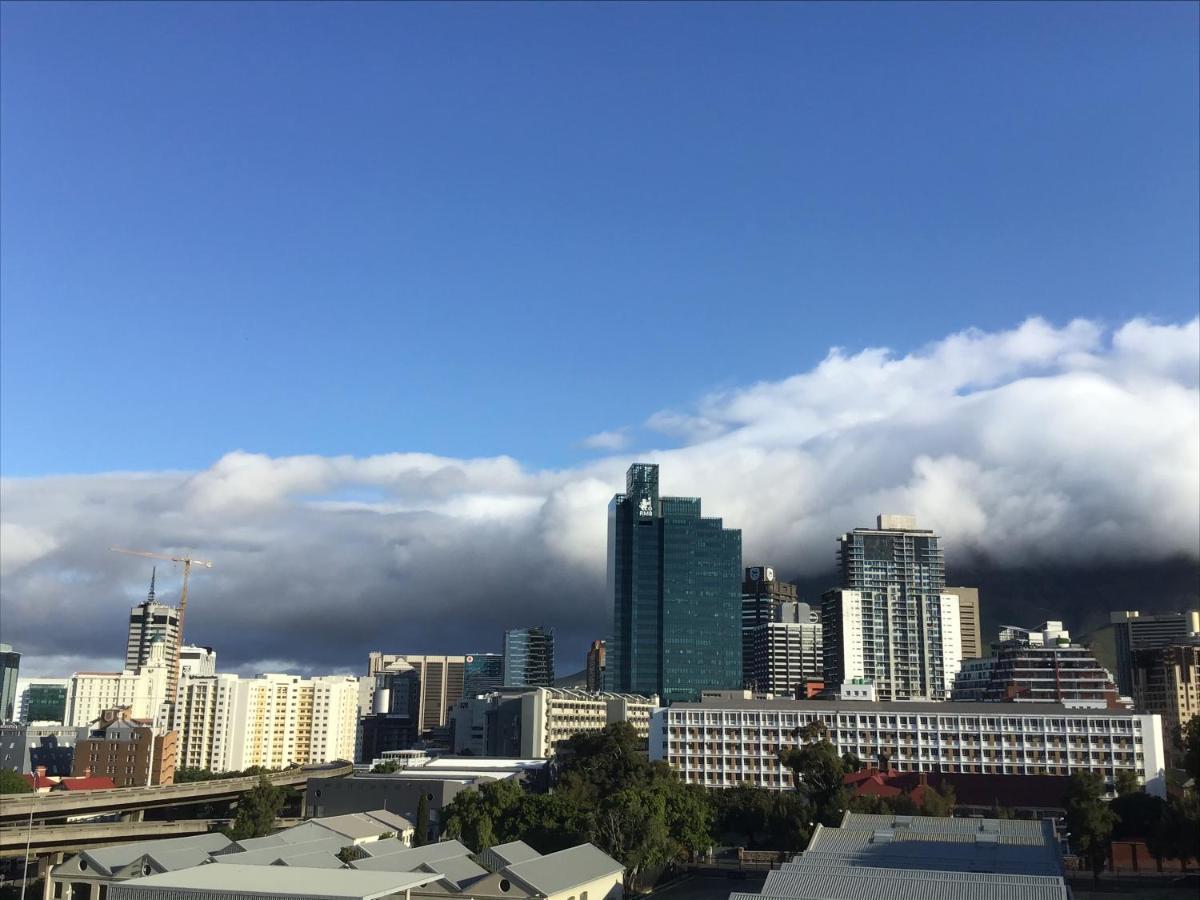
(675, 580)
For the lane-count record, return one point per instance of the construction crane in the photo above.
(188, 562)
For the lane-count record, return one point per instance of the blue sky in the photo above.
(482, 229)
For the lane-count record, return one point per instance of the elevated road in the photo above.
(83, 835)
(16, 808)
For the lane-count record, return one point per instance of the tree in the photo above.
(1127, 783)
(386, 768)
(350, 853)
(1189, 742)
(851, 763)
(421, 829)
(631, 826)
(1182, 823)
(938, 803)
(689, 815)
(257, 811)
(743, 812)
(1139, 815)
(817, 770)
(1090, 821)
(12, 783)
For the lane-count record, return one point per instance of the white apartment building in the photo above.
(227, 723)
(723, 743)
(908, 645)
(533, 722)
(144, 690)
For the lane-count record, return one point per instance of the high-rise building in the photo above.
(1133, 632)
(442, 682)
(483, 672)
(594, 670)
(762, 593)
(1036, 666)
(197, 660)
(149, 621)
(227, 723)
(529, 657)
(395, 721)
(43, 700)
(10, 669)
(674, 577)
(968, 619)
(892, 623)
(1166, 681)
(786, 652)
(143, 690)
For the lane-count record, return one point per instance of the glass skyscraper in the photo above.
(529, 657)
(484, 672)
(675, 580)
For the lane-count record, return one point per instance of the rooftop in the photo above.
(822, 881)
(906, 707)
(111, 858)
(565, 869)
(275, 881)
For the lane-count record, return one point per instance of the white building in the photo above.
(143, 689)
(787, 651)
(534, 722)
(227, 723)
(728, 742)
(908, 646)
(195, 660)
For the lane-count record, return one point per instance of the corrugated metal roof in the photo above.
(1035, 828)
(274, 881)
(565, 869)
(852, 883)
(416, 855)
(111, 858)
(514, 852)
(265, 856)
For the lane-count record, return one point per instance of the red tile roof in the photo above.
(91, 783)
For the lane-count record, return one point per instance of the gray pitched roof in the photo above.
(297, 834)
(280, 881)
(855, 883)
(364, 825)
(198, 845)
(458, 870)
(514, 852)
(265, 856)
(440, 850)
(565, 869)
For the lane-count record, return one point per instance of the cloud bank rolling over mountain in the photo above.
(1041, 446)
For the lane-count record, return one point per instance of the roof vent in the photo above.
(987, 839)
(881, 836)
(902, 822)
(990, 826)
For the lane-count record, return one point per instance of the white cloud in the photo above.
(617, 439)
(1037, 445)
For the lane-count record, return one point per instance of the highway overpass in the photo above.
(15, 809)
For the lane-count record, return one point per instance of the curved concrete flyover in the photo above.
(15, 808)
(83, 835)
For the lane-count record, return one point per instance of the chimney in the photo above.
(87, 772)
(924, 780)
(40, 772)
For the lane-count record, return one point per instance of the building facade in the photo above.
(529, 657)
(536, 722)
(129, 751)
(1166, 681)
(10, 670)
(395, 719)
(483, 672)
(143, 690)
(674, 578)
(727, 742)
(1133, 632)
(594, 668)
(442, 682)
(43, 700)
(892, 622)
(24, 747)
(227, 723)
(762, 592)
(197, 660)
(786, 652)
(149, 623)
(970, 630)
(1040, 665)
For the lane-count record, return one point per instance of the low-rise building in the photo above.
(132, 752)
(729, 742)
(536, 722)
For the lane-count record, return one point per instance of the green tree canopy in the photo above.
(12, 783)
(817, 770)
(421, 827)
(257, 811)
(1090, 820)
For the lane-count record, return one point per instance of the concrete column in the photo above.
(46, 864)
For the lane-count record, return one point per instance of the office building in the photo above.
(885, 857)
(594, 669)
(1036, 666)
(10, 670)
(129, 751)
(395, 719)
(536, 722)
(1166, 681)
(674, 578)
(891, 623)
(197, 660)
(25, 747)
(970, 631)
(42, 700)
(529, 657)
(762, 593)
(442, 682)
(143, 690)
(149, 622)
(1133, 632)
(227, 723)
(786, 652)
(727, 741)
(483, 672)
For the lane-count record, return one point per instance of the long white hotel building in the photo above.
(731, 740)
